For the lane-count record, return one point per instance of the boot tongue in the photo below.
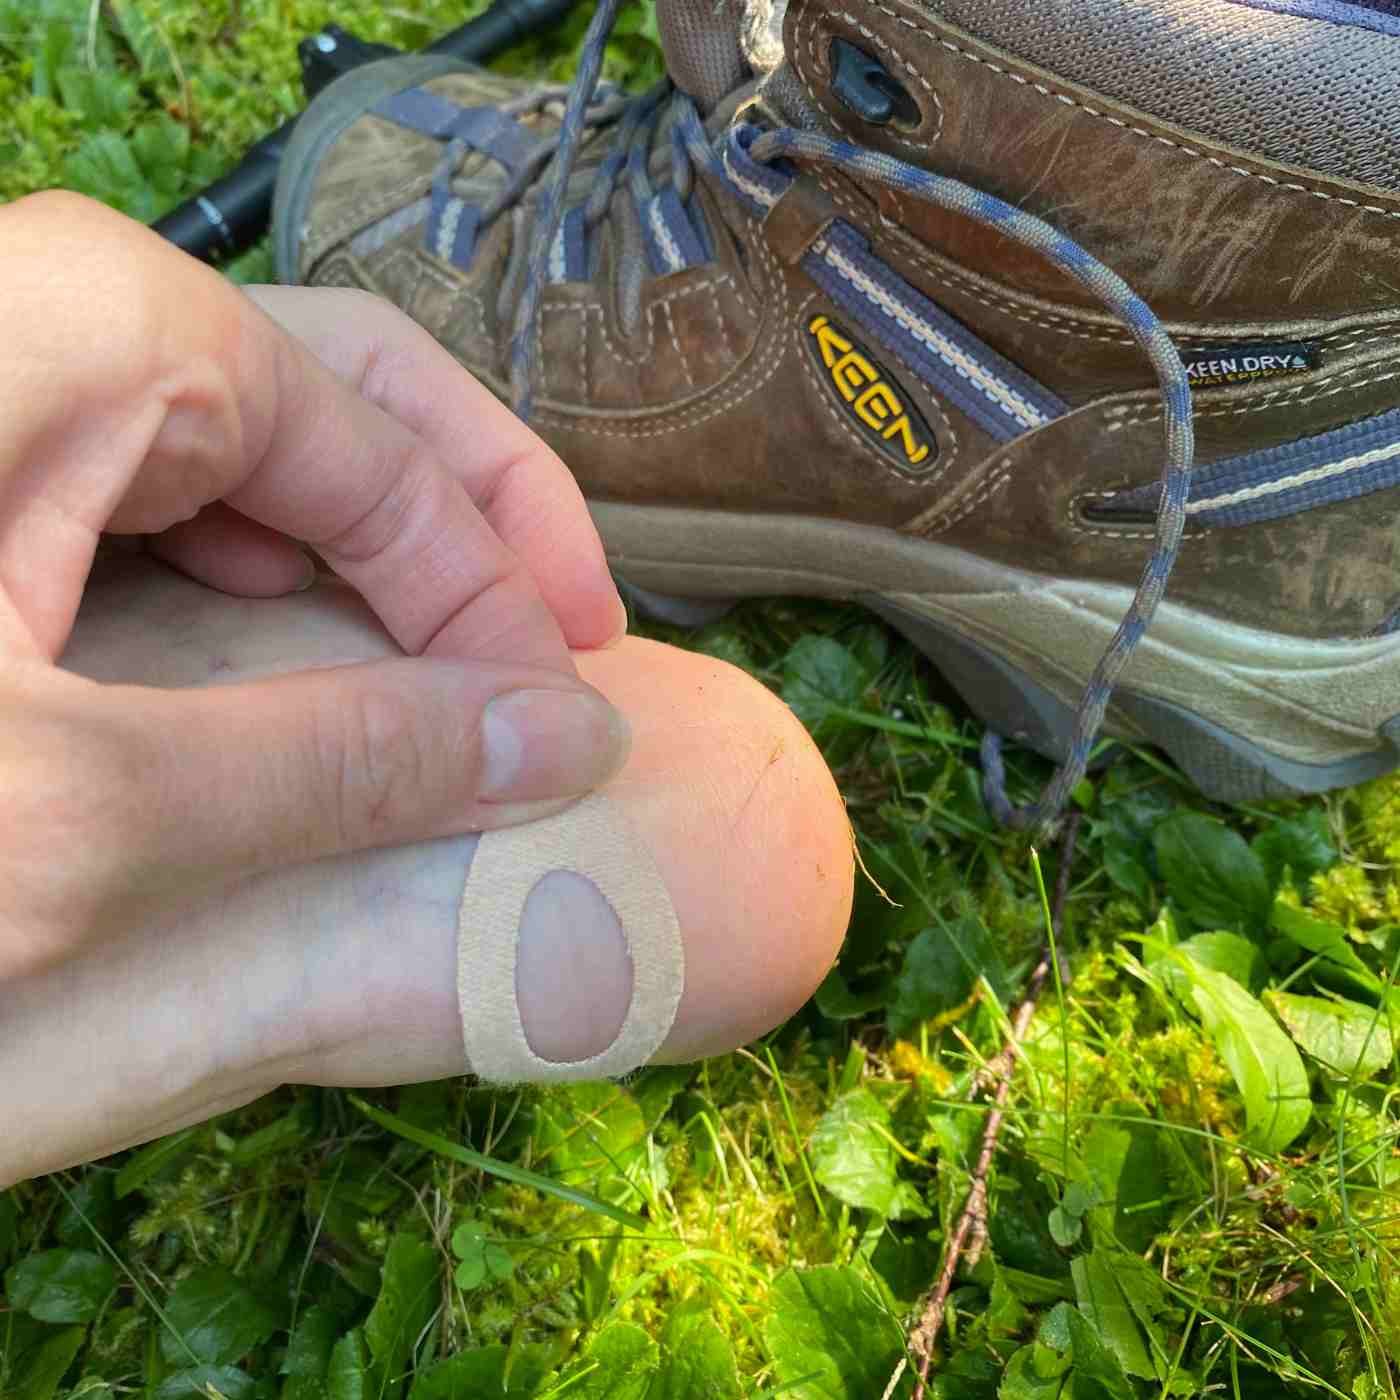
(702, 42)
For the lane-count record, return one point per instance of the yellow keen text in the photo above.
(871, 399)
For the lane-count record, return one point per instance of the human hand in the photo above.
(143, 394)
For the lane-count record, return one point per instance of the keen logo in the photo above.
(1245, 364)
(875, 406)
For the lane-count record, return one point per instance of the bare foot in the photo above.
(345, 972)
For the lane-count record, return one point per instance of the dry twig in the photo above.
(970, 1236)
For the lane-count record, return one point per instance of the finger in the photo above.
(191, 395)
(227, 551)
(320, 763)
(526, 493)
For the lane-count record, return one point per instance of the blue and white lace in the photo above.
(747, 150)
(756, 165)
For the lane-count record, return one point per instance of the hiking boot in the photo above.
(846, 320)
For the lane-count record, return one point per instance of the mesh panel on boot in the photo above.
(1302, 91)
(700, 39)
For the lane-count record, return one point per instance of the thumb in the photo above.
(240, 778)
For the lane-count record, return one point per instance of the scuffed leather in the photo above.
(703, 392)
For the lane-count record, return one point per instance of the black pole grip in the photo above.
(502, 26)
(230, 215)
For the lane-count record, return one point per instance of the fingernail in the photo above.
(308, 574)
(539, 745)
(619, 627)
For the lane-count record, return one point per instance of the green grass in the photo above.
(1197, 1188)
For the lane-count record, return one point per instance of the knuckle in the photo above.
(404, 501)
(379, 766)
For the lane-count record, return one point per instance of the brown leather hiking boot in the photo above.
(780, 359)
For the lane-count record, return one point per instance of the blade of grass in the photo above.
(493, 1166)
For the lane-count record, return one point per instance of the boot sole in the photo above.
(1247, 714)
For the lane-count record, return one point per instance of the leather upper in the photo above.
(703, 388)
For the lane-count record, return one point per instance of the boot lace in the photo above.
(692, 146)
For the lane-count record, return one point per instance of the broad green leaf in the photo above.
(408, 1293)
(142, 36)
(1351, 1039)
(105, 167)
(852, 1155)
(830, 1337)
(1326, 939)
(56, 40)
(1125, 868)
(308, 1356)
(1098, 1374)
(61, 1285)
(217, 1317)
(1080, 1198)
(1236, 957)
(1266, 1068)
(1054, 1330)
(1127, 1165)
(1034, 1373)
(1103, 1304)
(697, 1362)
(941, 967)
(1065, 1229)
(1005, 1315)
(980, 952)
(47, 1364)
(200, 1382)
(934, 979)
(99, 96)
(1142, 1288)
(1211, 874)
(162, 149)
(905, 1260)
(1034, 1288)
(1302, 846)
(618, 1365)
(837, 1002)
(486, 1373)
(89, 1206)
(820, 679)
(348, 1376)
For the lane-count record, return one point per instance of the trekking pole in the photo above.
(230, 215)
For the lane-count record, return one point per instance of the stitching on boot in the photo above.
(648, 349)
(429, 271)
(810, 22)
(1288, 186)
(1064, 323)
(736, 390)
(676, 344)
(1272, 400)
(933, 523)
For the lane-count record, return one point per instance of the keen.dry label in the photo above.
(1246, 364)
